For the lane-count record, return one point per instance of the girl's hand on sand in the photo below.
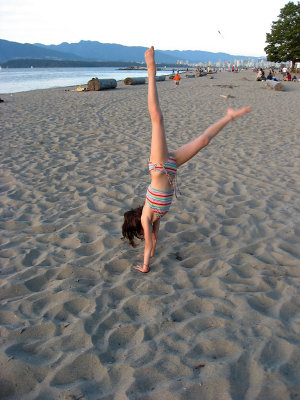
(142, 268)
(232, 114)
(150, 62)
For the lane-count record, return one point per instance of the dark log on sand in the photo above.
(134, 81)
(96, 84)
(190, 76)
(160, 78)
(274, 85)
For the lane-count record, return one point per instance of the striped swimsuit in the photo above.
(160, 201)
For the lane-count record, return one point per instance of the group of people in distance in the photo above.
(271, 76)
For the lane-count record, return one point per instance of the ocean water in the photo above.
(14, 80)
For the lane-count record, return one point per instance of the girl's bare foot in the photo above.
(145, 268)
(150, 62)
(237, 113)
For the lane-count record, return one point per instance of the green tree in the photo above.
(284, 39)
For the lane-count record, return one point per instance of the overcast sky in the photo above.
(182, 25)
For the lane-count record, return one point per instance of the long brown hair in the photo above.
(132, 226)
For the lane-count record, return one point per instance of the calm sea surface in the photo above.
(14, 80)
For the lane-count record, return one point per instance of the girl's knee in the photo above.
(157, 117)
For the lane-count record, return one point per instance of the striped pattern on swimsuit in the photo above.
(169, 167)
(160, 201)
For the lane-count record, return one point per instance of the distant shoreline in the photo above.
(42, 63)
(14, 80)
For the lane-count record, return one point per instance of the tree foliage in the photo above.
(284, 39)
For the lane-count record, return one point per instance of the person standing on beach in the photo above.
(143, 222)
(177, 79)
(284, 71)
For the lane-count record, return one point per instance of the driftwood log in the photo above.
(160, 78)
(190, 76)
(96, 84)
(274, 85)
(134, 81)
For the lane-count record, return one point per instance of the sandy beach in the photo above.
(218, 316)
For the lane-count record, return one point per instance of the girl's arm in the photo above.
(147, 227)
(155, 235)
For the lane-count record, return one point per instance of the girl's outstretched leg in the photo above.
(159, 148)
(186, 152)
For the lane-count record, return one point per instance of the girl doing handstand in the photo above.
(143, 222)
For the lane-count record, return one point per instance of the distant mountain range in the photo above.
(105, 52)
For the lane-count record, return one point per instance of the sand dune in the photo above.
(218, 316)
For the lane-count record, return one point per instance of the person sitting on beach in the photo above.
(177, 79)
(288, 77)
(143, 222)
(259, 75)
